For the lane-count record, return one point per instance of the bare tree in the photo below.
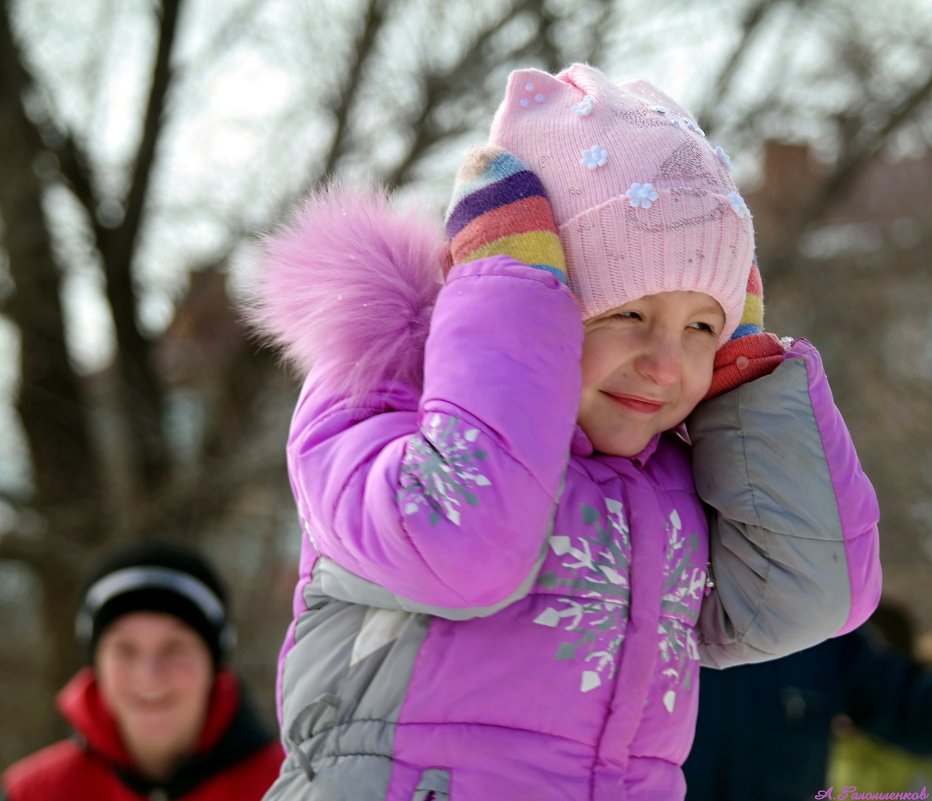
(89, 492)
(51, 403)
(74, 498)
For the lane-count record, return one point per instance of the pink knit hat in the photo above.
(644, 204)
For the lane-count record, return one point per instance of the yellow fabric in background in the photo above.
(872, 765)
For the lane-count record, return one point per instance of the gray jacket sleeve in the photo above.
(793, 518)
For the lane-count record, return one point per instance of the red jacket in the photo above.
(235, 759)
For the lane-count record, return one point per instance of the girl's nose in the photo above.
(661, 360)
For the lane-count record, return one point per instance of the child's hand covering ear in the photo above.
(750, 353)
(499, 207)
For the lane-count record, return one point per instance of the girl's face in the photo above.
(645, 367)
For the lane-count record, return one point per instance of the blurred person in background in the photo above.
(897, 753)
(766, 731)
(157, 713)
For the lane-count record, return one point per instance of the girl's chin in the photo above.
(625, 447)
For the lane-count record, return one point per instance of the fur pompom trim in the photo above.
(350, 281)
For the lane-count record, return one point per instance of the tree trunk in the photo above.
(50, 402)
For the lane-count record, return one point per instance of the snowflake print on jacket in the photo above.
(439, 470)
(683, 590)
(598, 563)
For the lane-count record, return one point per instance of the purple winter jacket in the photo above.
(488, 610)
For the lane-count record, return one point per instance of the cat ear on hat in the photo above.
(530, 89)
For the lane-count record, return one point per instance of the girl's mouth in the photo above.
(636, 403)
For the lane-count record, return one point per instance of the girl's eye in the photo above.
(703, 327)
(627, 315)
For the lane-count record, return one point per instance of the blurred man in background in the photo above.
(157, 714)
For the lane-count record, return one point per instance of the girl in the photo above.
(524, 531)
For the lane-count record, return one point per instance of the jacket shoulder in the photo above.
(245, 780)
(47, 775)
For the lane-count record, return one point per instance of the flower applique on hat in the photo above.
(585, 106)
(641, 195)
(594, 157)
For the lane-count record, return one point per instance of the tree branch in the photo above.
(546, 45)
(140, 390)
(73, 167)
(856, 157)
(41, 551)
(223, 37)
(363, 47)
(73, 163)
(605, 23)
(18, 501)
(440, 83)
(50, 402)
(749, 26)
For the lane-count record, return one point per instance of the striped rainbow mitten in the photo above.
(750, 353)
(499, 207)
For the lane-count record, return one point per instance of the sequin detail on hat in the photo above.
(688, 124)
(594, 157)
(642, 195)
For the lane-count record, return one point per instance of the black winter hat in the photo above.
(157, 576)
